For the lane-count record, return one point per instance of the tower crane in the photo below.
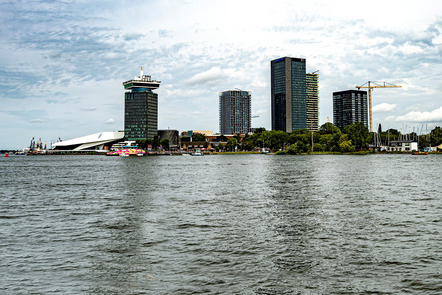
(371, 85)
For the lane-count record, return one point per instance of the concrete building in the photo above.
(312, 101)
(140, 108)
(235, 108)
(288, 94)
(349, 106)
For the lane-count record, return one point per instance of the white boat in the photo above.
(197, 153)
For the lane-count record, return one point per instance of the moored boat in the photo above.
(419, 153)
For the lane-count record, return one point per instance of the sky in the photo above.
(62, 63)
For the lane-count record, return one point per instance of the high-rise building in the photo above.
(140, 108)
(288, 91)
(235, 112)
(349, 106)
(312, 108)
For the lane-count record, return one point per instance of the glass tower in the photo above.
(288, 91)
(140, 108)
(235, 112)
(348, 107)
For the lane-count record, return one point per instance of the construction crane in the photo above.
(371, 85)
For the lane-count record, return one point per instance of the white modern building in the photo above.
(94, 142)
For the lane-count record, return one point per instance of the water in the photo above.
(232, 224)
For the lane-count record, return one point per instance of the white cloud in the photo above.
(210, 76)
(38, 121)
(89, 109)
(422, 117)
(110, 121)
(384, 108)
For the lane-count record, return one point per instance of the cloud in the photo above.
(384, 108)
(37, 121)
(210, 76)
(88, 109)
(132, 37)
(422, 117)
(110, 121)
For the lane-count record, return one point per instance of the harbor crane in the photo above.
(370, 85)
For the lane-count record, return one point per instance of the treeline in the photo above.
(329, 138)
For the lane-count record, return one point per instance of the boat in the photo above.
(128, 152)
(197, 153)
(419, 153)
(265, 151)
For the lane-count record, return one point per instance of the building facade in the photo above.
(288, 93)
(140, 108)
(235, 107)
(312, 101)
(349, 106)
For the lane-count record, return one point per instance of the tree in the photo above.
(318, 147)
(423, 142)
(259, 130)
(345, 144)
(220, 146)
(231, 143)
(436, 136)
(155, 142)
(358, 134)
(198, 137)
(221, 138)
(165, 143)
(143, 143)
(328, 128)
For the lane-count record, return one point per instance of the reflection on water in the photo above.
(234, 224)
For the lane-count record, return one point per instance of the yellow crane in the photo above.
(370, 85)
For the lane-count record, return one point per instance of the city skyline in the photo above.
(62, 63)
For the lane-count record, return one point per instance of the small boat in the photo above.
(197, 153)
(419, 153)
(265, 151)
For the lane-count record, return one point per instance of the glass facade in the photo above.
(288, 91)
(235, 112)
(140, 115)
(348, 107)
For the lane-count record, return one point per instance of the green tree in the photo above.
(423, 142)
(165, 143)
(221, 138)
(328, 128)
(436, 136)
(156, 142)
(220, 147)
(317, 147)
(198, 137)
(345, 145)
(143, 143)
(231, 143)
(259, 130)
(358, 134)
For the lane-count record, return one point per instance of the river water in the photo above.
(224, 224)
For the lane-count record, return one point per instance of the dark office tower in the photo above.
(140, 108)
(235, 112)
(312, 108)
(348, 107)
(288, 90)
